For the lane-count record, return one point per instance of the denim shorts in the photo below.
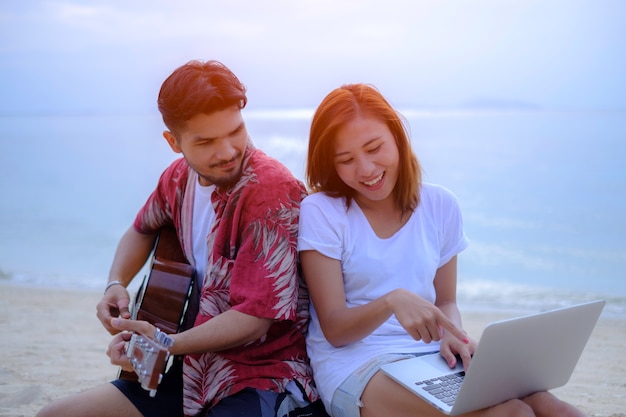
(347, 398)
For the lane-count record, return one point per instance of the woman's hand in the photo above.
(421, 319)
(451, 348)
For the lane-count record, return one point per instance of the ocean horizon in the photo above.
(543, 195)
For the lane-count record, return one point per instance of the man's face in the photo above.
(213, 145)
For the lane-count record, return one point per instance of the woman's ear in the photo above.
(172, 141)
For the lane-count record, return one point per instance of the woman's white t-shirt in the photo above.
(372, 267)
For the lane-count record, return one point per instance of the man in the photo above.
(235, 211)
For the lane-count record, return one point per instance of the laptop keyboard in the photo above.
(444, 388)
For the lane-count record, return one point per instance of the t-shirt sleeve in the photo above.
(321, 227)
(453, 238)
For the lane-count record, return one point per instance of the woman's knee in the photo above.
(514, 408)
(547, 404)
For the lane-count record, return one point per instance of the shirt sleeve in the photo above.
(321, 227)
(163, 205)
(453, 238)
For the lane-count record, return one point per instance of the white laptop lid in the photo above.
(517, 357)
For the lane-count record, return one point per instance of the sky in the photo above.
(78, 56)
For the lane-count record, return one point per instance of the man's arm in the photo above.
(132, 252)
(226, 330)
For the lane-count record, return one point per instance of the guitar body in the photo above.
(163, 296)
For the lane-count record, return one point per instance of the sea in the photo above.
(543, 195)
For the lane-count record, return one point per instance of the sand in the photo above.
(52, 344)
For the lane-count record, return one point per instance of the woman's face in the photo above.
(367, 158)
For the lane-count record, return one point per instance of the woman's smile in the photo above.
(375, 182)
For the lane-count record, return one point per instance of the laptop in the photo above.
(514, 358)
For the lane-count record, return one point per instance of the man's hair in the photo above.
(341, 106)
(198, 87)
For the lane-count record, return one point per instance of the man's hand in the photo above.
(134, 326)
(117, 351)
(125, 329)
(113, 304)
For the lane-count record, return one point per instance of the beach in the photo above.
(53, 345)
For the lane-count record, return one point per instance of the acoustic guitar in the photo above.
(162, 301)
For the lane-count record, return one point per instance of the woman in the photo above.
(379, 254)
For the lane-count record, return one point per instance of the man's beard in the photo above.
(224, 181)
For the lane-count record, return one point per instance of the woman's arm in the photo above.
(445, 288)
(342, 325)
